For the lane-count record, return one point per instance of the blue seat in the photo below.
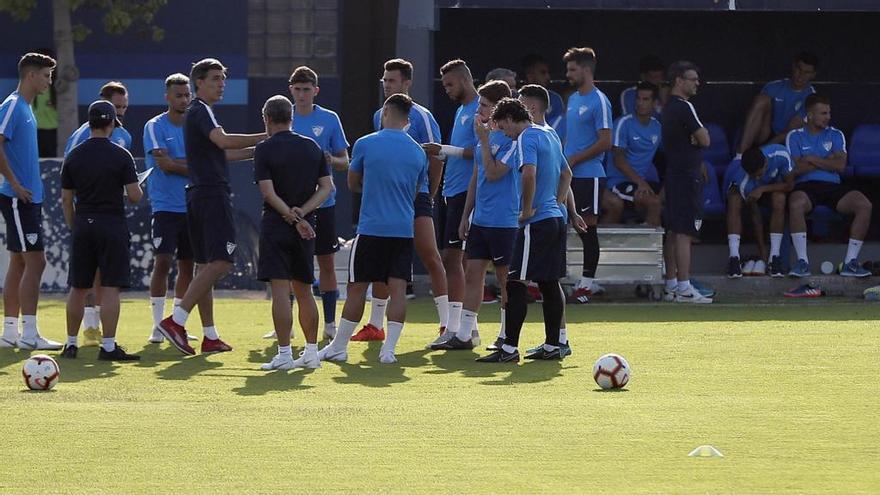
(864, 151)
(713, 205)
(718, 151)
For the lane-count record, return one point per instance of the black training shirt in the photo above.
(98, 170)
(679, 121)
(206, 161)
(293, 163)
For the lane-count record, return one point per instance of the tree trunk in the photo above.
(66, 74)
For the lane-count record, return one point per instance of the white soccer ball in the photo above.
(40, 372)
(611, 371)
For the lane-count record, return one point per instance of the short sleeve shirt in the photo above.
(98, 170)
(167, 190)
(18, 125)
(585, 117)
(324, 127)
(293, 163)
(822, 144)
(207, 163)
(678, 122)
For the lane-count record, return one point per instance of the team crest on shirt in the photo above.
(698, 223)
(827, 145)
(230, 247)
(121, 142)
(316, 130)
(495, 148)
(464, 119)
(32, 238)
(797, 106)
(582, 110)
(654, 139)
(157, 241)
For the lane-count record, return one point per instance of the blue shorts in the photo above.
(491, 243)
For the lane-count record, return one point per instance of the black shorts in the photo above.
(587, 195)
(100, 242)
(683, 207)
(424, 205)
(171, 235)
(24, 224)
(491, 243)
(447, 219)
(823, 193)
(326, 241)
(376, 259)
(284, 254)
(627, 190)
(539, 252)
(211, 225)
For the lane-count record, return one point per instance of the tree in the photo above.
(119, 16)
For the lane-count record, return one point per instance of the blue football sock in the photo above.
(329, 299)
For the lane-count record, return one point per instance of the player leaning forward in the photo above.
(294, 179)
(388, 167)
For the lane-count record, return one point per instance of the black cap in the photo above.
(102, 113)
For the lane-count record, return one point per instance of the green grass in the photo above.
(787, 392)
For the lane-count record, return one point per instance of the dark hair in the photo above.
(650, 63)
(303, 75)
(536, 91)
(457, 65)
(753, 160)
(112, 88)
(677, 70)
(584, 56)
(201, 68)
(531, 60)
(646, 86)
(808, 58)
(815, 99)
(176, 79)
(513, 108)
(53, 93)
(404, 67)
(400, 102)
(34, 61)
(494, 91)
(278, 109)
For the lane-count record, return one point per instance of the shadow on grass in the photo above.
(370, 372)
(9, 357)
(610, 390)
(266, 354)
(187, 368)
(87, 367)
(503, 373)
(274, 381)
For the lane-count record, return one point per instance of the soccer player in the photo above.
(325, 128)
(760, 179)
(165, 152)
(423, 128)
(459, 154)
(208, 207)
(588, 138)
(489, 221)
(389, 167)
(632, 177)
(540, 241)
(819, 154)
(683, 137)
(21, 202)
(651, 70)
(94, 175)
(779, 107)
(503, 74)
(537, 71)
(291, 194)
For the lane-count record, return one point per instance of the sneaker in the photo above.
(691, 296)
(92, 337)
(69, 352)
(704, 290)
(329, 331)
(579, 296)
(39, 344)
(329, 353)
(565, 349)
(307, 361)
(668, 294)
(540, 353)
(176, 335)
(800, 269)
(191, 338)
(872, 293)
(495, 346)
(453, 344)
(279, 362)
(748, 268)
(387, 357)
(410, 293)
(500, 356)
(776, 267)
(534, 294)
(734, 269)
(270, 335)
(489, 296)
(595, 289)
(369, 333)
(805, 291)
(9, 341)
(117, 354)
(760, 269)
(213, 346)
(854, 269)
(442, 338)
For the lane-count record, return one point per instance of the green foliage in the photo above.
(119, 16)
(20, 10)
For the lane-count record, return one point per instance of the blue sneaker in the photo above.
(704, 290)
(564, 349)
(854, 269)
(800, 269)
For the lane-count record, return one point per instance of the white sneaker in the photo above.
(387, 357)
(760, 268)
(475, 338)
(270, 335)
(441, 339)
(329, 331)
(329, 353)
(596, 289)
(749, 268)
(9, 341)
(191, 338)
(279, 362)
(691, 296)
(307, 361)
(39, 344)
(156, 337)
(668, 294)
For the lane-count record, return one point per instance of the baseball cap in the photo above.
(101, 113)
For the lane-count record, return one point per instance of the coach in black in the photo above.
(95, 174)
(208, 205)
(295, 180)
(683, 138)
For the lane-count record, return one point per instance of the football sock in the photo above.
(284, 350)
(343, 333)
(585, 283)
(552, 307)
(97, 322)
(799, 239)
(775, 244)
(89, 319)
(502, 334)
(108, 344)
(442, 304)
(467, 325)
(179, 315)
(29, 327)
(517, 309)
(10, 328)
(733, 245)
(211, 332)
(157, 305)
(683, 286)
(328, 300)
(311, 350)
(852, 250)
(671, 284)
(563, 336)
(377, 312)
(395, 328)
(177, 301)
(591, 252)
(73, 340)
(454, 317)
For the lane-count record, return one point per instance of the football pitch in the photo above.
(788, 393)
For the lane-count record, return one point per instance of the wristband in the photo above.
(450, 150)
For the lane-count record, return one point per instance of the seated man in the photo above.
(632, 178)
(537, 71)
(651, 70)
(819, 154)
(760, 179)
(779, 108)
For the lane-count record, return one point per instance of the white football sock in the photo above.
(180, 315)
(97, 321)
(852, 250)
(10, 328)
(73, 340)
(392, 335)
(157, 305)
(442, 304)
(508, 348)
(177, 301)
(563, 336)
(108, 343)
(29, 327)
(671, 284)
(454, 317)
(343, 334)
(739, 156)
(775, 244)
(311, 350)
(89, 317)
(683, 286)
(285, 350)
(502, 333)
(377, 312)
(210, 332)
(733, 245)
(799, 239)
(585, 283)
(467, 325)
